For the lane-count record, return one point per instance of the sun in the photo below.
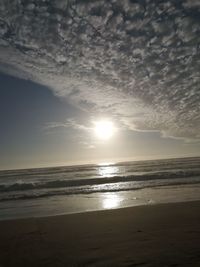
(104, 129)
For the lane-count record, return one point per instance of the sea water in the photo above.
(71, 189)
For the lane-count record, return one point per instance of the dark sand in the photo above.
(159, 235)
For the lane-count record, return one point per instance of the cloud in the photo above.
(138, 61)
(80, 128)
(191, 4)
(70, 123)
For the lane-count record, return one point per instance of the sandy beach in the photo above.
(154, 235)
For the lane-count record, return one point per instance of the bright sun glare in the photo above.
(104, 129)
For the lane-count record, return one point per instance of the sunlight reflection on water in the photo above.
(111, 201)
(108, 171)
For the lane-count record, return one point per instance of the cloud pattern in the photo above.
(137, 60)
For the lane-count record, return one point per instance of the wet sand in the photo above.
(155, 235)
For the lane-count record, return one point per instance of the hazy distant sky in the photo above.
(65, 64)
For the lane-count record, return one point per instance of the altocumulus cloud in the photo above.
(137, 60)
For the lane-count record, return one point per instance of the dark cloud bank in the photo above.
(137, 60)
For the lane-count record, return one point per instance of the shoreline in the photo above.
(84, 203)
(90, 212)
(153, 235)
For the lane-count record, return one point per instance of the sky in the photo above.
(65, 65)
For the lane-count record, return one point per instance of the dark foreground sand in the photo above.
(160, 235)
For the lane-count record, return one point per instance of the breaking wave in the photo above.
(46, 182)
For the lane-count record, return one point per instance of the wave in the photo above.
(58, 183)
(136, 166)
(33, 194)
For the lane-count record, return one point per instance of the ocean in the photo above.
(71, 189)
